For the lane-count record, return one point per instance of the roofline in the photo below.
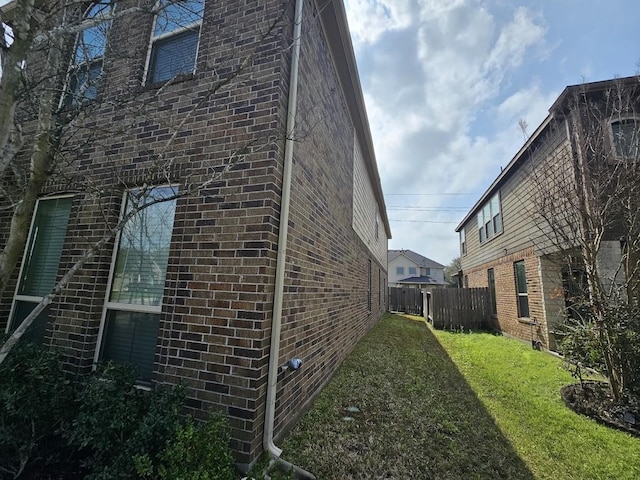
(7, 8)
(591, 87)
(511, 166)
(555, 111)
(336, 28)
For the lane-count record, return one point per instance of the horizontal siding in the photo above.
(520, 208)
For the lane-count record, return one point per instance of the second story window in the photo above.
(399, 270)
(489, 219)
(412, 270)
(174, 40)
(88, 55)
(463, 242)
(626, 137)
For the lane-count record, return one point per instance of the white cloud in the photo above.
(430, 70)
(370, 19)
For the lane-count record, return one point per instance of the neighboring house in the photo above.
(410, 269)
(506, 242)
(188, 292)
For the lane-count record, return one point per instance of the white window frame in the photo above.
(28, 298)
(614, 139)
(155, 38)
(109, 305)
(486, 219)
(399, 270)
(463, 242)
(74, 97)
(520, 295)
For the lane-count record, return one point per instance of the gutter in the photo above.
(274, 361)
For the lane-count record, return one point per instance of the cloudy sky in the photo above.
(446, 83)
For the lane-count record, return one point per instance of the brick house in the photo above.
(205, 289)
(506, 243)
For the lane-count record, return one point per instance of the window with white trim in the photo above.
(463, 242)
(88, 55)
(521, 289)
(412, 270)
(136, 284)
(40, 263)
(491, 280)
(489, 219)
(399, 270)
(625, 134)
(174, 39)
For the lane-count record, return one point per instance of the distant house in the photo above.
(506, 242)
(214, 290)
(410, 269)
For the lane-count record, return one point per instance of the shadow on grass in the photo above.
(414, 417)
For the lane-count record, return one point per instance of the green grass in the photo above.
(482, 407)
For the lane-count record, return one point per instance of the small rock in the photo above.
(352, 409)
(347, 419)
(629, 417)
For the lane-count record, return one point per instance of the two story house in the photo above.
(553, 215)
(410, 269)
(279, 249)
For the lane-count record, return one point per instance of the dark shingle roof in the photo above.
(424, 279)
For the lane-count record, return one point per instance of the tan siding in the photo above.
(521, 222)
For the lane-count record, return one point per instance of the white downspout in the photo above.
(274, 361)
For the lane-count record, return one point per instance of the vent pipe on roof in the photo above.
(272, 379)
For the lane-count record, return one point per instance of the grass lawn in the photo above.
(452, 406)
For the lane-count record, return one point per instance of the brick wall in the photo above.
(507, 319)
(218, 297)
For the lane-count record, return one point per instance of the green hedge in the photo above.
(101, 427)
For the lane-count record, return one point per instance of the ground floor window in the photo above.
(40, 263)
(521, 289)
(491, 280)
(137, 278)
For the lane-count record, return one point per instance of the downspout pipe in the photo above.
(274, 361)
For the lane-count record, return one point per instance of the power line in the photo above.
(427, 209)
(422, 221)
(430, 194)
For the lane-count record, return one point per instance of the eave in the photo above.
(336, 30)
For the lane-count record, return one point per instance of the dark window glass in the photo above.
(91, 44)
(521, 288)
(174, 44)
(130, 338)
(492, 290)
(137, 286)
(41, 263)
(45, 247)
(173, 56)
(626, 137)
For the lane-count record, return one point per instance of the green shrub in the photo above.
(583, 344)
(102, 427)
(36, 398)
(117, 422)
(198, 452)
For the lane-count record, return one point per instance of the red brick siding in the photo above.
(506, 296)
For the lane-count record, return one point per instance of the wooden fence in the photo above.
(457, 308)
(407, 300)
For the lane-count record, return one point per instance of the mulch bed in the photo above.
(594, 399)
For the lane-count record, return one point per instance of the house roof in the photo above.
(555, 111)
(423, 279)
(336, 28)
(414, 257)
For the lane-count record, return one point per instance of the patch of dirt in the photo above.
(594, 399)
